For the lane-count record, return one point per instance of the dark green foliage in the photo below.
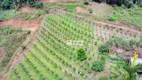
(38, 5)
(86, 3)
(131, 71)
(81, 55)
(115, 17)
(98, 66)
(104, 48)
(10, 4)
(139, 67)
(7, 30)
(127, 3)
(7, 4)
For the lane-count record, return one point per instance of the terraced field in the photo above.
(53, 55)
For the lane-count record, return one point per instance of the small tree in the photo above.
(7, 4)
(98, 66)
(81, 55)
(104, 48)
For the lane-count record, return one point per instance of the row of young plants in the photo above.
(58, 60)
(58, 43)
(70, 28)
(76, 32)
(83, 37)
(51, 56)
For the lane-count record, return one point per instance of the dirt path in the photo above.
(24, 24)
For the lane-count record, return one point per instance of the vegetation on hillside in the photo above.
(66, 47)
(71, 7)
(11, 4)
(10, 40)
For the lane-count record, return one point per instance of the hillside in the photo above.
(69, 40)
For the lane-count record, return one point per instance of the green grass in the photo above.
(7, 14)
(35, 15)
(132, 16)
(69, 6)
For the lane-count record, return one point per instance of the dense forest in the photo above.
(127, 3)
(10, 4)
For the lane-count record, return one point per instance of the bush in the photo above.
(115, 17)
(86, 3)
(98, 66)
(139, 67)
(104, 48)
(7, 30)
(37, 5)
(7, 4)
(91, 10)
(81, 55)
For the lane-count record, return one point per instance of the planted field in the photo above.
(54, 54)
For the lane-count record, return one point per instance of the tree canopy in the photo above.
(9, 4)
(127, 3)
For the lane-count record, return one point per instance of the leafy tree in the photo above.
(37, 5)
(139, 67)
(127, 3)
(81, 55)
(7, 4)
(98, 66)
(104, 48)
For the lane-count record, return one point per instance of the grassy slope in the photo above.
(10, 40)
(7, 14)
(69, 6)
(12, 14)
(132, 16)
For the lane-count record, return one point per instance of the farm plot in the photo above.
(54, 54)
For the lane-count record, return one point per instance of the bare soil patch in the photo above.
(24, 24)
(27, 9)
(79, 9)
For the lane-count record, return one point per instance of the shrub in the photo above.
(7, 4)
(104, 48)
(91, 10)
(139, 67)
(7, 30)
(98, 66)
(115, 17)
(86, 3)
(81, 55)
(23, 47)
(37, 5)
